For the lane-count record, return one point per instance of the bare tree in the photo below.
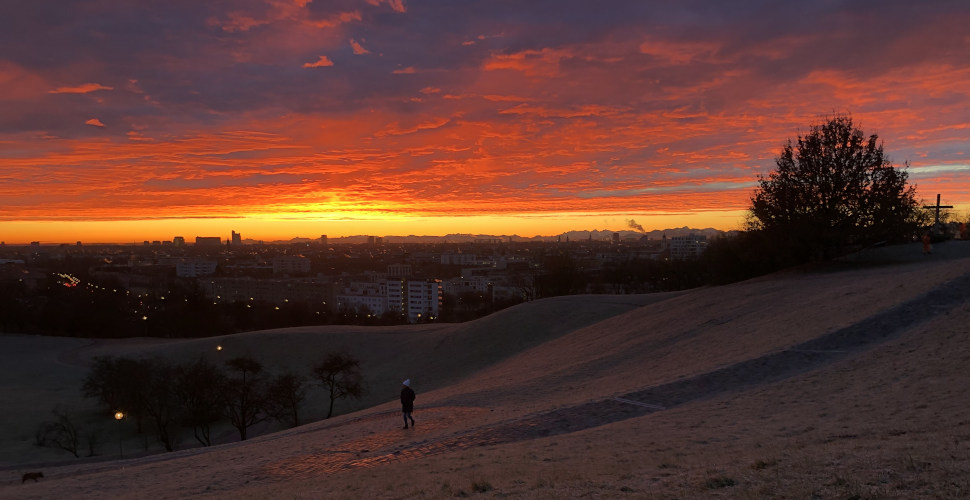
(160, 402)
(61, 433)
(244, 396)
(285, 396)
(339, 373)
(117, 384)
(197, 388)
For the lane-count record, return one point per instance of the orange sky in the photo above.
(126, 122)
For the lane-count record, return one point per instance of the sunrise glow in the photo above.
(132, 121)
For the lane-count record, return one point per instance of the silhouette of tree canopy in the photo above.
(339, 373)
(834, 189)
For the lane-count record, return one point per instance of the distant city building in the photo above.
(178, 241)
(236, 240)
(416, 299)
(195, 268)
(208, 241)
(469, 284)
(460, 259)
(317, 291)
(399, 270)
(424, 300)
(687, 246)
(291, 264)
(323, 239)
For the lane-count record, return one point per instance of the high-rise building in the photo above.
(236, 239)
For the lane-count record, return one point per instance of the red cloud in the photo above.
(324, 61)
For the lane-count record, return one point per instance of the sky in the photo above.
(128, 121)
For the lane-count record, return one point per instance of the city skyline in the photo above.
(291, 118)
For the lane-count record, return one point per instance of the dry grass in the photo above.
(889, 421)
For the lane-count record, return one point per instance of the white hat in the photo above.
(407, 382)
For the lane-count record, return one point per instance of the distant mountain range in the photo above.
(596, 235)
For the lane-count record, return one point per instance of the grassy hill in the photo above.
(831, 381)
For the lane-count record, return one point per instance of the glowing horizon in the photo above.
(293, 118)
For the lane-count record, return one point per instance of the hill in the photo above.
(837, 381)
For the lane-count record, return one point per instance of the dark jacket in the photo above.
(407, 399)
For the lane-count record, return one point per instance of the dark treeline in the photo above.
(167, 400)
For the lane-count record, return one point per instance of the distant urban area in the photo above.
(214, 286)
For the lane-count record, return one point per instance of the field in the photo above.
(844, 380)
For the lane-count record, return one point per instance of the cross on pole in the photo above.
(937, 207)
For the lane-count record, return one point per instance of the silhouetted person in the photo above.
(407, 402)
(927, 243)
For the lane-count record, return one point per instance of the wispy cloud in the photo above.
(80, 89)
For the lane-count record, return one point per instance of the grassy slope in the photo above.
(892, 420)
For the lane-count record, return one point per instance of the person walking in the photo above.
(407, 402)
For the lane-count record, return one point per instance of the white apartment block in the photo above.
(360, 294)
(424, 300)
(418, 299)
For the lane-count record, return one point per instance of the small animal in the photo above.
(31, 475)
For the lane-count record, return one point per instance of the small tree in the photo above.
(197, 388)
(118, 384)
(833, 189)
(285, 396)
(339, 373)
(160, 403)
(61, 433)
(244, 397)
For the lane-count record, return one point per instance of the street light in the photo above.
(119, 416)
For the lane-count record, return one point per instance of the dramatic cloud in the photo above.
(459, 111)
